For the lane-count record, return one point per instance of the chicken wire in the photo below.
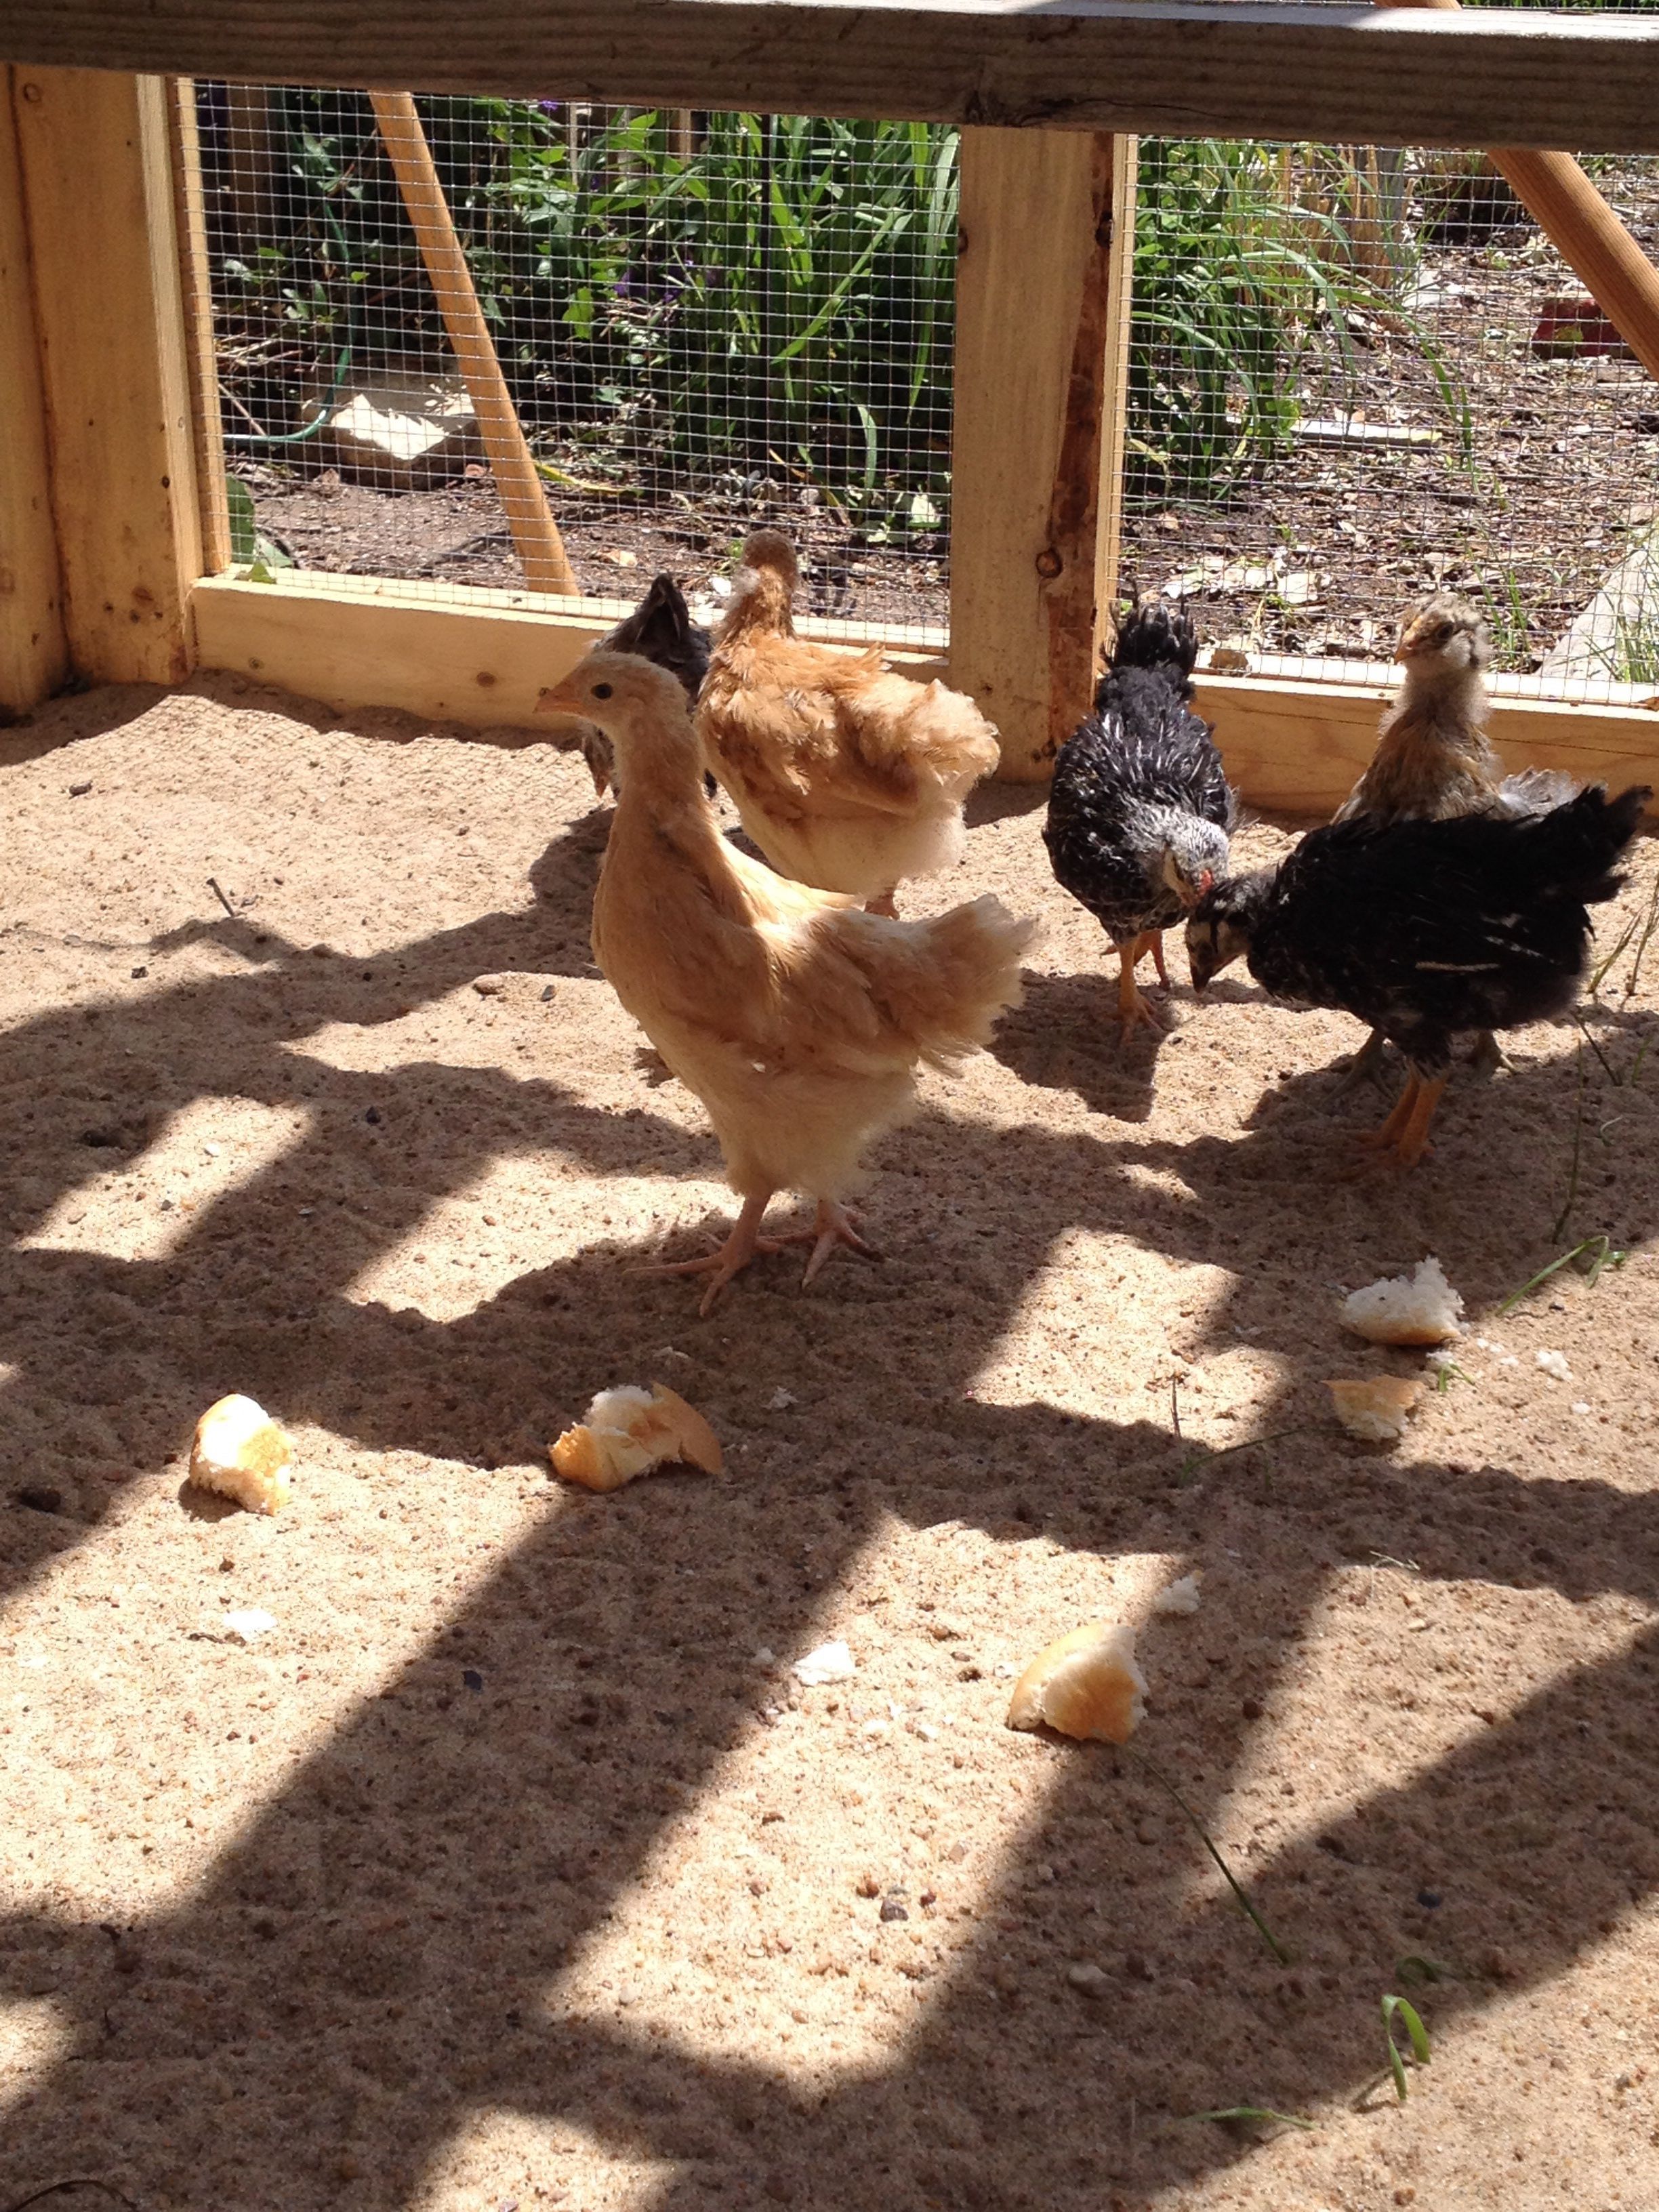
(704, 321)
(1357, 373)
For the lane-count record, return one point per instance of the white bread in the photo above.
(1085, 1685)
(1421, 1308)
(240, 1451)
(628, 1431)
(1376, 1409)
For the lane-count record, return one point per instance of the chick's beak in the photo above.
(1200, 958)
(562, 698)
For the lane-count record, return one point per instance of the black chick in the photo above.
(660, 628)
(1425, 929)
(1140, 810)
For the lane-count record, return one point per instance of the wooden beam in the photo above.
(202, 362)
(1489, 77)
(97, 184)
(1041, 323)
(1299, 747)
(477, 657)
(34, 652)
(482, 659)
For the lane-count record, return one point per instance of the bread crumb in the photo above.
(1554, 1364)
(1377, 1408)
(1421, 1308)
(628, 1431)
(240, 1452)
(1085, 1685)
(1181, 1596)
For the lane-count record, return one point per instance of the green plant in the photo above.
(1261, 2114)
(1397, 2007)
(1240, 1893)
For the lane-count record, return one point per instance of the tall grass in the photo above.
(767, 295)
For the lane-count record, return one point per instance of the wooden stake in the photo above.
(1042, 296)
(34, 652)
(534, 534)
(1584, 230)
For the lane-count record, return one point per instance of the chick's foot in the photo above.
(744, 1244)
(833, 1226)
(1369, 1064)
(1133, 1010)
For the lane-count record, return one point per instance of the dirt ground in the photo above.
(510, 1868)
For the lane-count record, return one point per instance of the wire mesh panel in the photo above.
(1358, 373)
(701, 322)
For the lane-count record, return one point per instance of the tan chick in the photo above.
(845, 775)
(1432, 758)
(796, 1017)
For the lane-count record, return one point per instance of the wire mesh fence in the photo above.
(1356, 374)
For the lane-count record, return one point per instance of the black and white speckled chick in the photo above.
(660, 629)
(1425, 929)
(1141, 812)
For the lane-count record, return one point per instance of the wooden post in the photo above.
(34, 652)
(1585, 232)
(103, 245)
(202, 360)
(534, 534)
(1043, 303)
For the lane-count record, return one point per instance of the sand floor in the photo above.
(511, 1868)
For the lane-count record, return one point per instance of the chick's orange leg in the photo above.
(886, 904)
(1405, 1131)
(1132, 1009)
(1152, 942)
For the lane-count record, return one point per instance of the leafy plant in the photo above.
(1397, 2007)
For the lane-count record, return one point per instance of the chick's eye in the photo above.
(601, 691)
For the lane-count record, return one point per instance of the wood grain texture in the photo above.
(1036, 327)
(1298, 748)
(98, 185)
(1395, 76)
(475, 657)
(194, 277)
(34, 651)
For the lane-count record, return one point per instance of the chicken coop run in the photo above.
(400, 399)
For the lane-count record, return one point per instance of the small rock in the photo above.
(40, 1497)
(139, 973)
(779, 1401)
(892, 1910)
(1554, 1364)
(248, 1623)
(830, 1663)
(79, 790)
(1428, 1899)
(1093, 1981)
(372, 1114)
(868, 1886)
(472, 1678)
(489, 987)
(547, 994)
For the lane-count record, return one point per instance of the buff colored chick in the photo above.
(797, 1020)
(847, 776)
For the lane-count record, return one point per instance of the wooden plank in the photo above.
(1502, 76)
(480, 657)
(1030, 532)
(98, 181)
(201, 357)
(34, 652)
(1298, 748)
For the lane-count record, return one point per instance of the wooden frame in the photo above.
(98, 332)
(1356, 74)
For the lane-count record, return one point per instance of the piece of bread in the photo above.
(1377, 1408)
(628, 1431)
(1086, 1684)
(1421, 1308)
(240, 1452)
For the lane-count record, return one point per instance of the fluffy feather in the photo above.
(1140, 813)
(1433, 759)
(798, 1019)
(847, 776)
(660, 629)
(1426, 929)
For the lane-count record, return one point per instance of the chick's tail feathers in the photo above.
(1536, 790)
(941, 983)
(1153, 637)
(1571, 851)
